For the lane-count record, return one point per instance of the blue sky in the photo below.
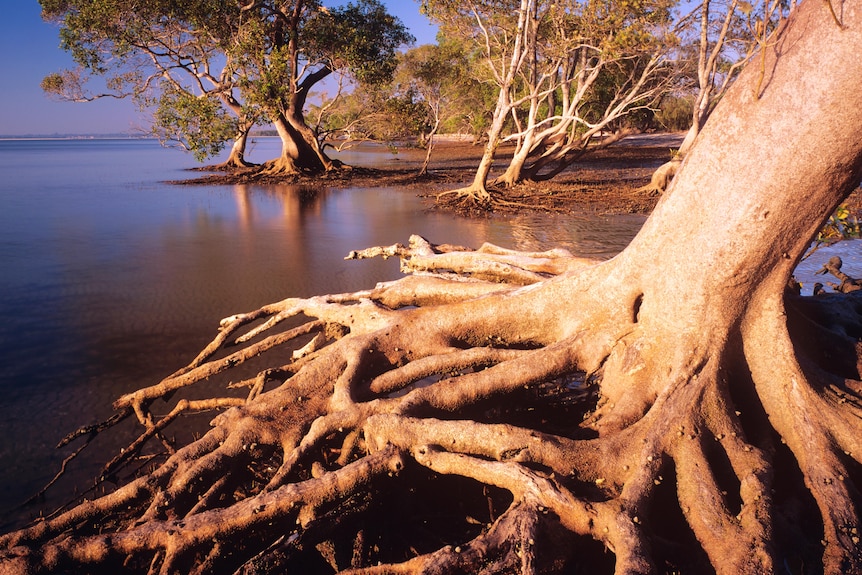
(29, 50)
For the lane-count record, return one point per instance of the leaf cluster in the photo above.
(841, 225)
(198, 124)
(361, 37)
(104, 33)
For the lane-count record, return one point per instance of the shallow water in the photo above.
(849, 251)
(112, 279)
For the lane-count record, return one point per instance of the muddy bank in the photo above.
(601, 181)
(604, 181)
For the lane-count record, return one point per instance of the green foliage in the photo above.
(841, 225)
(199, 124)
(434, 84)
(133, 46)
(360, 37)
(404, 116)
(53, 84)
(586, 55)
(196, 55)
(675, 113)
(377, 113)
(437, 79)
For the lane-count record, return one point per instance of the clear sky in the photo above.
(29, 50)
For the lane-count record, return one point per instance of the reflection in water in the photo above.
(296, 199)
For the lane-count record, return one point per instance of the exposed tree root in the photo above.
(473, 195)
(283, 166)
(478, 197)
(661, 178)
(235, 162)
(379, 380)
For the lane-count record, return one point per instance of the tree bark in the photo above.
(236, 158)
(477, 191)
(298, 154)
(690, 413)
(710, 89)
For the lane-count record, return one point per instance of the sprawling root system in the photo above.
(466, 418)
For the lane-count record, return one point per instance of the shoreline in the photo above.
(603, 181)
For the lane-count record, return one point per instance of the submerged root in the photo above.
(475, 383)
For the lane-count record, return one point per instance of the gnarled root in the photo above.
(661, 178)
(509, 395)
(479, 197)
(471, 196)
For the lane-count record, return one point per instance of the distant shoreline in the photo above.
(75, 137)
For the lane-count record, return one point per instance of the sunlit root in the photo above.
(283, 166)
(473, 195)
(375, 384)
(488, 263)
(481, 197)
(661, 178)
(674, 409)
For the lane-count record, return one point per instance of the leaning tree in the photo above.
(674, 408)
(565, 73)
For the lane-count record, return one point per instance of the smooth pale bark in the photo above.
(762, 178)
(710, 89)
(236, 158)
(524, 37)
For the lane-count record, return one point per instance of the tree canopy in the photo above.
(567, 77)
(260, 60)
(565, 72)
(163, 54)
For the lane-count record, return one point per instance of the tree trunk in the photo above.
(297, 154)
(525, 147)
(524, 37)
(429, 146)
(236, 159)
(477, 191)
(710, 89)
(654, 403)
(665, 173)
(314, 157)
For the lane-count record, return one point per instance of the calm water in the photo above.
(112, 279)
